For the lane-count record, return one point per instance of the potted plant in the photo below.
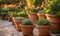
(18, 22)
(27, 27)
(13, 17)
(22, 14)
(41, 14)
(11, 10)
(43, 26)
(53, 14)
(33, 14)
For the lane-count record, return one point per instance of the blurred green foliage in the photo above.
(19, 14)
(38, 2)
(54, 7)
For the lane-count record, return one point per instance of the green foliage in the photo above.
(27, 22)
(15, 9)
(3, 13)
(19, 10)
(54, 7)
(12, 2)
(14, 14)
(9, 1)
(4, 9)
(31, 1)
(12, 9)
(19, 18)
(38, 2)
(23, 14)
(43, 22)
(33, 10)
(19, 14)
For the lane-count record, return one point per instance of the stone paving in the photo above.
(7, 29)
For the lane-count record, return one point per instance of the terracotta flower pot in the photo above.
(55, 27)
(55, 22)
(33, 17)
(17, 22)
(41, 16)
(43, 30)
(13, 20)
(53, 18)
(27, 29)
(18, 25)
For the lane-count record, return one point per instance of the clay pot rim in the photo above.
(32, 13)
(40, 14)
(27, 25)
(51, 14)
(43, 27)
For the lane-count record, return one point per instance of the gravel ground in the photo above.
(7, 29)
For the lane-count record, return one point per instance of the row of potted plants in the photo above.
(52, 11)
(17, 18)
(43, 26)
(23, 24)
(36, 14)
(49, 13)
